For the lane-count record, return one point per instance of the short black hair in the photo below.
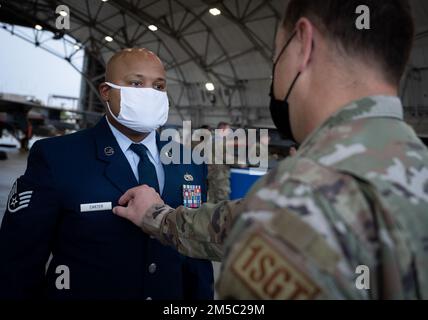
(389, 40)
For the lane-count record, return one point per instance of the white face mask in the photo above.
(141, 109)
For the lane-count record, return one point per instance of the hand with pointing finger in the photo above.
(135, 203)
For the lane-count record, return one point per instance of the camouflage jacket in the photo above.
(346, 218)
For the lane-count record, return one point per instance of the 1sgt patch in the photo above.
(17, 201)
(268, 274)
(192, 196)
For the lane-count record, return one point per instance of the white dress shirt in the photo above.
(150, 143)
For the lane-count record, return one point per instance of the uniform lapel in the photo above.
(117, 169)
(172, 173)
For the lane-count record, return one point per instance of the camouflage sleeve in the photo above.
(197, 233)
(302, 235)
(281, 258)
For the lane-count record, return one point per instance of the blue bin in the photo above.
(241, 181)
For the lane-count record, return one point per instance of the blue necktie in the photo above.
(146, 170)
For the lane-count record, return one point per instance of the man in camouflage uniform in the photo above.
(355, 194)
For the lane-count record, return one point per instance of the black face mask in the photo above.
(279, 109)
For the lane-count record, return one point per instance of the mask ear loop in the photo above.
(285, 47)
(114, 86)
(292, 86)
(111, 112)
(277, 60)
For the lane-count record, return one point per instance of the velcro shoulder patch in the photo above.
(269, 274)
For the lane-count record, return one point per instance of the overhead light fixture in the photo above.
(108, 38)
(152, 27)
(38, 27)
(209, 86)
(104, 0)
(215, 11)
(63, 13)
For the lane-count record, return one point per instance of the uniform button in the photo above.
(149, 298)
(152, 268)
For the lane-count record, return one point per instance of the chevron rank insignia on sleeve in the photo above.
(18, 201)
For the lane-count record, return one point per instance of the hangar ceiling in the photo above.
(232, 50)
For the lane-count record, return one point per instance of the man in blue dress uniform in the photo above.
(62, 204)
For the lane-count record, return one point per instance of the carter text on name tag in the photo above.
(101, 206)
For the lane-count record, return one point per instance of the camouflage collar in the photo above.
(369, 107)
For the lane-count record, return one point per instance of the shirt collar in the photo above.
(124, 142)
(368, 107)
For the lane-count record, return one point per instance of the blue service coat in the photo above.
(107, 256)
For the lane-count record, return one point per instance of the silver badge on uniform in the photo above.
(108, 151)
(18, 201)
(188, 177)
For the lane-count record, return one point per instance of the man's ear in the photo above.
(104, 90)
(305, 36)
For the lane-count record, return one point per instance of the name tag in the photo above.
(101, 206)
